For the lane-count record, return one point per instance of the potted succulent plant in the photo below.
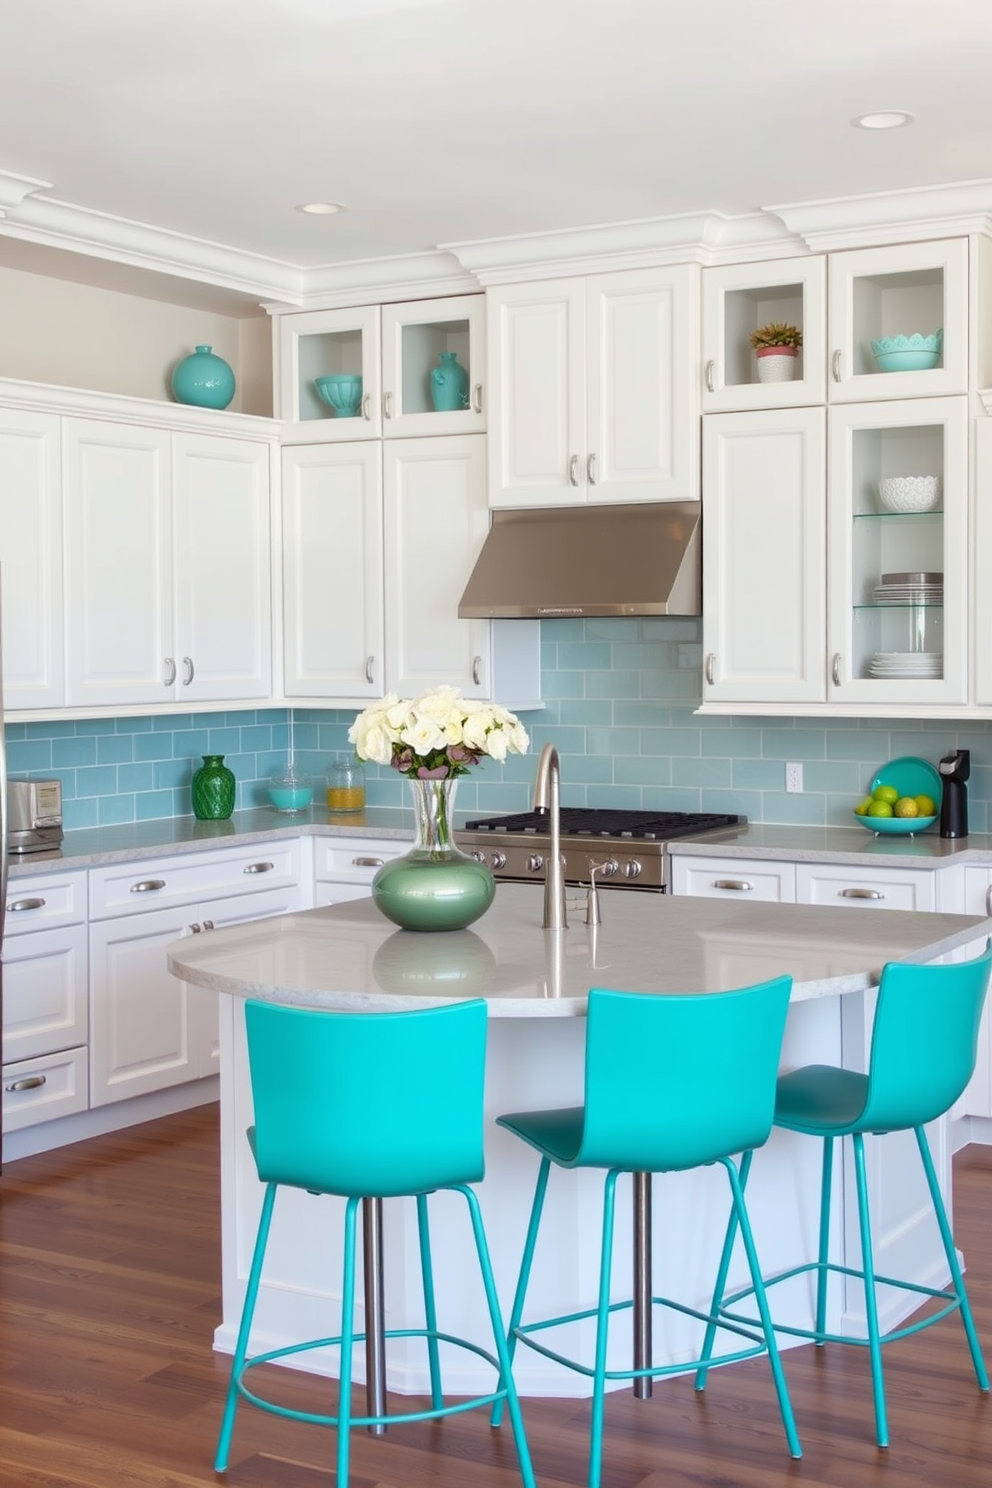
(776, 347)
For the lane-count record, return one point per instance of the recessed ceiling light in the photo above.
(887, 119)
(321, 209)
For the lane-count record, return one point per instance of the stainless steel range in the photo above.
(628, 847)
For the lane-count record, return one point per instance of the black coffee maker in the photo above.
(954, 770)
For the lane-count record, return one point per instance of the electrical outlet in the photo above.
(794, 779)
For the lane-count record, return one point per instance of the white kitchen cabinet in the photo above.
(977, 1098)
(344, 867)
(148, 1030)
(866, 887)
(393, 348)
(31, 559)
(45, 1001)
(378, 542)
(981, 554)
(167, 565)
(746, 880)
(739, 298)
(764, 556)
(592, 389)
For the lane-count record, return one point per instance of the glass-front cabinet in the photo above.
(383, 371)
(897, 565)
(737, 302)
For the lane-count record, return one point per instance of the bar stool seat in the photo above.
(923, 1050)
(671, 1083)
(370, 1105)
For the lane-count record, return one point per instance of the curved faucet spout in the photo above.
(547, 798)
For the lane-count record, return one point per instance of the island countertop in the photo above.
(347, 956)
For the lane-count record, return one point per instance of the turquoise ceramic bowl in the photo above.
(896, 826)
(911, 776)
(916, 353)
(341, 391)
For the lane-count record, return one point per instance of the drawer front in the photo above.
(977, 891)
(872, 888)
(734, 878)
(354, 860)
(45, 1005)
(44, 902)
(162, 883)
(36, 1090)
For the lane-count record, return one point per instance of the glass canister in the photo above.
(213, 789)
(345, 784)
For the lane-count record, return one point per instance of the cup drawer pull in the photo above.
(30, 1082)
(367, 862)
(19, 904)
(148, 886)
(260, 867)
(861, 894)
(741, 885)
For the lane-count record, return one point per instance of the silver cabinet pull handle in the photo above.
(988, 901)
(367, 862)
(740, 885)
(591, 468)
(710, 369)
(387, 405)
(259, 868)
(148, 885)
(710, 665)
(477, 670)
(170, 671)
(30, 1082)
(369, 671)
(367, 407)
(25, 904)
(208, 924)
(835, 365)
(835, 669)
(860, 894)
(190, 670)
(573, 469)
(477, 398)
(195, 929)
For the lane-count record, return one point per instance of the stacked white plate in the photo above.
(924, 664)
(909, 588)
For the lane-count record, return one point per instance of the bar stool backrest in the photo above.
(924, 1041)
(675, 1081)
(367, 1104)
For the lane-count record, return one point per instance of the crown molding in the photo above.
(16, 189)
(44, 397)
(956, 209)
(411, 276)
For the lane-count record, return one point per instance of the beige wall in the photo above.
(76, 335)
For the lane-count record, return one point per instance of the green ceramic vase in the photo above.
(435, 886)
(214, 788)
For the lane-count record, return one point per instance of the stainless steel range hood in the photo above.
(637, 559)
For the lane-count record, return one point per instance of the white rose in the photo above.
(519, 741)
(438, 703)
(476, 728)
(375, 744)
(423, 736)
(497, 742)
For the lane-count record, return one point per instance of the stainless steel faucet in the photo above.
(547, 798)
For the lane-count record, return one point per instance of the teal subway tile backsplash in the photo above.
(620, 700)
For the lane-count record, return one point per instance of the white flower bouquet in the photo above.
(437, 736)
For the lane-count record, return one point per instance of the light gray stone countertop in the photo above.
(348, 956)
(852, 844)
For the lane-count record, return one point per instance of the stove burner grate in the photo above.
(581, 821)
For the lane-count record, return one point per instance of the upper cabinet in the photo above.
(842, 304)
(383, 371)
(592, 389)
(31, 559)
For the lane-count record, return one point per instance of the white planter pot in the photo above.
(777, 363)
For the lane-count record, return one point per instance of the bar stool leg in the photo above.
(823, 1252)
(643, 1344)
(602, 1331)
(375, 1313)
(871, 1304)
(517, 1310)
(347, 1338)
(430, 1310)
(721, 1277)
(952, 1260)
(244, 1331)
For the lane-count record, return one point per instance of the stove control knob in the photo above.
(632, 869)
(479, 857)
(497, 860)
(535, 863)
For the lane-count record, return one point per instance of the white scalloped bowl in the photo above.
(909, 493)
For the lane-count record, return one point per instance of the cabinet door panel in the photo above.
(31, 559)
(764, 556)
(44, 993)
(223, 586)
(332, 581)
(436, 522)
(118, 562)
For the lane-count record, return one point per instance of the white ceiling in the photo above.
(444, 121)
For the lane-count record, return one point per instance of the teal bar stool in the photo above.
(923, 1048)
(671, 1083)
(370, 1106)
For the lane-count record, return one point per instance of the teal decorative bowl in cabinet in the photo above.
(341, 391)
(916, 353)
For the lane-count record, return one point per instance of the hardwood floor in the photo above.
(109, 1292)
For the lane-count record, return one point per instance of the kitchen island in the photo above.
(348, 957)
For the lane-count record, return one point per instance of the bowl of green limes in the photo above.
(904, 798)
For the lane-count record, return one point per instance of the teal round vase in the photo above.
(203, 380)
(434, 886)
(214, 788)
(449, 384)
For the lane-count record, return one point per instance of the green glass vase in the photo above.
(214, 788)
(435, 886)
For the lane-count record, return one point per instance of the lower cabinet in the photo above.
(344, 867)
(734, 878)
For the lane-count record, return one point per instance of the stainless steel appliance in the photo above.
(34, 815)
(628, 847)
